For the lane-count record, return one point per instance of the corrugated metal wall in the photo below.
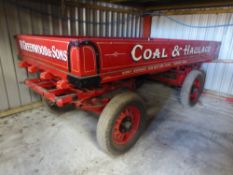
(45, 19)
(219, 75)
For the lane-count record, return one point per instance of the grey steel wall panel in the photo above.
(219, 75)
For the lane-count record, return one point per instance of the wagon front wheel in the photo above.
(121, 123)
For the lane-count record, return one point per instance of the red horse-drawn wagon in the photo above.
(85, 71)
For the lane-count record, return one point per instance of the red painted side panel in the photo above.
(118, 58)
(47, 50)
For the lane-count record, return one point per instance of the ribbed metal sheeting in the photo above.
(30, 18)
(219, 75)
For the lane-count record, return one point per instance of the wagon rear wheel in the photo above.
(192, 88)
(121, 123)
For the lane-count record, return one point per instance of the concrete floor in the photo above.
(177, 141)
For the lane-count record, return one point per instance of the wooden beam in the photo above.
(104, 8)
(116, 1)
(191, 5)
(20, 109)
(221, 96)
(198, 11)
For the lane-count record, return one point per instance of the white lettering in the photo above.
(164, 55)
(133, 52)
(147, 54)
(156, 54)
(43, 50)
(176, 51)
(191, 50)
(139, 52)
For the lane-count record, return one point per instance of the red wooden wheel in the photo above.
(121, 123)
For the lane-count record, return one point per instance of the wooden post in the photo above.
(146, 26)
(20, 109)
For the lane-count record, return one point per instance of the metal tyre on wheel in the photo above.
(192, 88)
(121, 123)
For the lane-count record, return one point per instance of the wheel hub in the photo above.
(126, 125)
